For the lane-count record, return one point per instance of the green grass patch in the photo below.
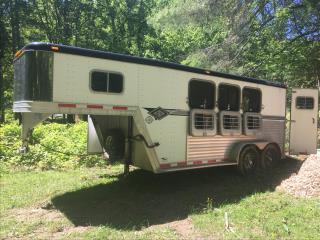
(22, 189)
(100, 203)
(269, 215)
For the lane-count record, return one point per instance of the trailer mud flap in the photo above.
(94, 145)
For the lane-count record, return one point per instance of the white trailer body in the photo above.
(159, 116)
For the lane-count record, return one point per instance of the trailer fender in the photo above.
(236, 148)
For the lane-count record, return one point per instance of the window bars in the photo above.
(203, 122)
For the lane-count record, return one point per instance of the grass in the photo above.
(100, 203)
(269, 215)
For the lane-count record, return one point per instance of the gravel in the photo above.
(306, 183)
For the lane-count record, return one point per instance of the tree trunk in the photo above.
(2, 114)
(3, 40)
(15, 26)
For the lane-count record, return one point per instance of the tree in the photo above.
(4, 41)
(271, 39)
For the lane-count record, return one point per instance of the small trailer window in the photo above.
(304, 103)
(106, 82)
(201, 94)
(251, 100)
(229, 97)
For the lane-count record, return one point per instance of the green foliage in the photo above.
(175, 44)
(274, 40)
(55, 146)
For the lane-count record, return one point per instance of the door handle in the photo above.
(313, 120)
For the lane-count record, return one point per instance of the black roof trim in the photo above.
(146, 61)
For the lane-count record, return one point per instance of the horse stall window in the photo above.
(229, 98)
(251, 106)
(251, 100)
(106, 82)
(229, 106)
(201, 94)
(304, 102)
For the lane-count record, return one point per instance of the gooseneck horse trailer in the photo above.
(162, 116)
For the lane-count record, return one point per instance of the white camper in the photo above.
(162, 116)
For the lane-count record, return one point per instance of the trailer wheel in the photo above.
(248, 160)
(270, 157)
(115, 144)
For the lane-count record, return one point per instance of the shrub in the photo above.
(53, 146)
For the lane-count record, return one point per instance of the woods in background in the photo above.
(270, 39)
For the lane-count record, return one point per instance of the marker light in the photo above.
(55, 48)
(18, 53)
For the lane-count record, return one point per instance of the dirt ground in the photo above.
(305, 182)
(42, 214)
(184, 228)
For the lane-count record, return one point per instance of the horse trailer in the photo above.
(162, 116)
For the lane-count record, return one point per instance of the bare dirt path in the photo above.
(306, 182)
(184, 229)
(58, 227)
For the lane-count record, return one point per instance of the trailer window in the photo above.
(304, 103)
(201, 94)
(229, 97)
(106, 82)
(115, 82)
(251, 100)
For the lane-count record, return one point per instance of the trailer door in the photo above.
(303, 124)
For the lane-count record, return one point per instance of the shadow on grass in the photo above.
(145, 199)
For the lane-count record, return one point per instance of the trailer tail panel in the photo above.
(33, 76)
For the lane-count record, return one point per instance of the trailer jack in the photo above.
(128, 159)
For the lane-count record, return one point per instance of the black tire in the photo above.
(270, 157)
(248, 160)
(115, 144)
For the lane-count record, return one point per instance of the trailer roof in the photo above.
(140, 60)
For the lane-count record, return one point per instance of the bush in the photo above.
(53, 146)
